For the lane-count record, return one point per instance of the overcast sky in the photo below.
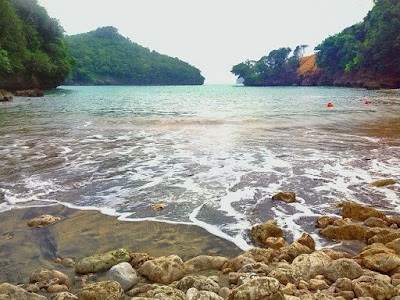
(213, 35)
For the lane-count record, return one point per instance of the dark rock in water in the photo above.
(5, 96)
(288, 197)
(324, 221)
(30, 93)
(42, 221)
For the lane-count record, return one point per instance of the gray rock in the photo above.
(124, 274)
(102, 262)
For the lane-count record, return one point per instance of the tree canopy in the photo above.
(33, 52)
(103, 57)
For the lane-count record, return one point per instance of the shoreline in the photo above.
(82, 233)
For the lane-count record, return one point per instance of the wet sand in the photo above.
(83, 233)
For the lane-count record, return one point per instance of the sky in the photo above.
(213, 35)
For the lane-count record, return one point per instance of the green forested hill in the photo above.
(364, 55)
(32, 47)
(105, 57)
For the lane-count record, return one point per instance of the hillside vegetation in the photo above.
(32, 47)
(363, 55)
(104, 57)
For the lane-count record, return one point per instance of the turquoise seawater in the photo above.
(213, 154)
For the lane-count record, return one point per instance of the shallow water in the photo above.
(213, 154)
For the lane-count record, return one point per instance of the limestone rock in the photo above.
(5, 96)
(11, 292)
(288, 197)
(307, 266)
(334, 254)
(163, 269)
(47, 278)
(203, 295)
(307, 240)
(57, 288)
(347, 232)
(165, 293)
(374, 222)
(261, 232)
(124, 274)
(374, 249)
(63, 296)
(343, 284)
(42, 221)
(30, 93)
(385, 238)
(138, 259)
(103, 290)
(318, 284)
(382, 182)
(260, 254)
(102, 262)
(382, 262)
(258, 288)
(284, 273)
(201, 283)
(224, 292)
(238, 262)
(343, 268)
(294, 250)
(395, 245)
(367, 286)
(204, 262)
(324, 221)
(275, 242)
(360, 213)
(258, 268)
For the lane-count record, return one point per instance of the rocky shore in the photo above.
(8, 96)
(68, 254)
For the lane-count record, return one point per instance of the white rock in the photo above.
(124, 274)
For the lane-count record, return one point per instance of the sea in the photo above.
(214, 155)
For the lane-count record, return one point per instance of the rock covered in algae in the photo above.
(102, 262)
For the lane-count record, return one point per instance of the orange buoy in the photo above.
(367, 102)
(330, 104)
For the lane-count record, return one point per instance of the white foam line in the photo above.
(238, 240)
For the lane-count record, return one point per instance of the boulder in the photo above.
(201, 283)
(204, 262)
(360, 213)
(288, 197)
(30, 93)
(103, 290)
(258, 268)
(384, 238)
(374, 222)
(165, 293)
(394, 245)
(124, 274)
(347, 232)
(260, 254)
(343, 284)
(294, 250)
(102, 262)
(47, 278)
(163, 269)
(307, 240)
(382, 182)
(374, 249)
(275, 242)
(324, 221)
(261, 232)
(342, 268)
(238, 262)
(42, 221)
(318, 284)
(63, 296)
(5, 96)
(367, 286)
(382, 262)
(284, 273)
(138, 259)
(258, 288)
(307, 266)
(11, 292)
